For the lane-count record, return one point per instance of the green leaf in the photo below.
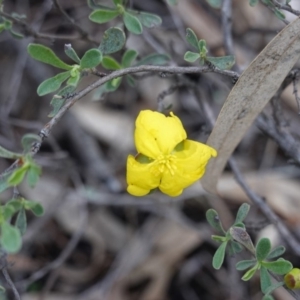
(242, 213)
(279, 14)
(7, 212)
(265, 280)
(8, 154)
(147, 19)
(202, 48)
(253, 2)
(132, 23)
(154, 59)
(4, 182)
(130, 80)
(191, 56)
(219, 238)
(35, 207)
(242, 225)
(280, 266)
(113, 40)
(21, 222)
(245, 264)
(59, 99)
(192, 39)
(71, 53)
(215, 3)
(91, 58)
(14, 205)
(128, 57)
(241, 236)
(263, 248)
(52, 84)
(110, 63)
(7, 24)
(223, 62)
(278, 251)
(17, 176)
(47, 56)
(213, 219)
(218, 258)
(103, 15)
(118, 2)
(2, 290)
(10, 238)
(74, 80)
(249, 274)
(113, 84)
(27, 141)
(33, 174)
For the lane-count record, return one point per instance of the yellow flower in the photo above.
(292, 279)
(166, 159)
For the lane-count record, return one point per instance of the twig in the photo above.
(286, 7)
(259, 201)
(84, 34)
(29, 31)
(7, 277)
(44, 133)
(273, 10)
(283, 138)
(227, 26)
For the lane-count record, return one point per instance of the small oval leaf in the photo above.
(223, 62)
(263, 248)
(192, 39)
(218, 258)
(132, 23)
(113, 40)
(10, 238)
(110, 63)
(128, 57)
(102, 15)
(52, 84)
(91, 59)
(47, 56)
(191, 56)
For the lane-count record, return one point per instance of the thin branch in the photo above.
(29, 31)
(286, 7)
(264, 207)
(274, 11)
(44, 133)
(84, 34)
(7, 277)
(227, 26)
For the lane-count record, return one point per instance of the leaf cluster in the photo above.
(10, 238)
(263, 255)
(223, 62)
(113, 40)
(133, 20)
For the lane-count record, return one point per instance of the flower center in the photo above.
(164, 163)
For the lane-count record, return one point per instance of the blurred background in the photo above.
(96, 241)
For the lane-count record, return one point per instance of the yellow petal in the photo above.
(139, 177)
(155, 133)
(292, 279)
(190, 167)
